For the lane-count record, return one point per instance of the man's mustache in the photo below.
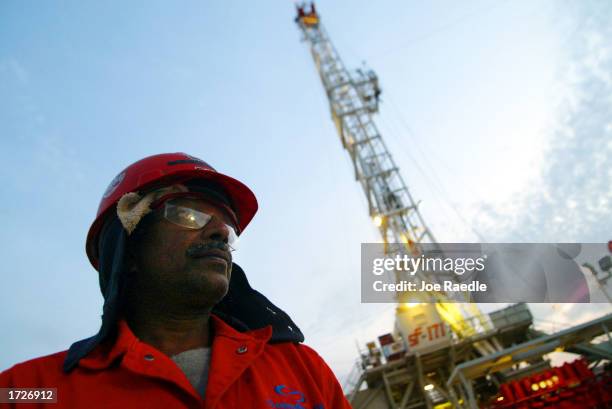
(201, 249)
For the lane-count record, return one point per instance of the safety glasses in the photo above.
(185, 216)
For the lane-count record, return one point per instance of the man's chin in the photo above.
(213, 265)
(211, 285)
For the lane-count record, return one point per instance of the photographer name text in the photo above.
(446, 285)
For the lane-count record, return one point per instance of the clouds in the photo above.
(571, 199)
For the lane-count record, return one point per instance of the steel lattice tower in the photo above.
(353, 99)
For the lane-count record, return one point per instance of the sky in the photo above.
(498, 114)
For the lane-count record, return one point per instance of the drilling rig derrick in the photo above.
(440, 354)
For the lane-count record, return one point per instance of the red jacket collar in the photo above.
(108, 352)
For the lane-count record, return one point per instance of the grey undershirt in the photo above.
(194, 363)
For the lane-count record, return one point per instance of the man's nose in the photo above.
(216, 230)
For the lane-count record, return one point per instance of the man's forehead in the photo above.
(196, 202)
(209, 189)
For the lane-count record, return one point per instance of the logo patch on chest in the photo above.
(289, 398)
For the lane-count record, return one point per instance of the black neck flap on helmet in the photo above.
(243, 307)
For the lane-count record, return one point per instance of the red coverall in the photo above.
(245, 372)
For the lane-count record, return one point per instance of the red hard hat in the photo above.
(163, 170)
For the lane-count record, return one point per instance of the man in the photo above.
(181, 327)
